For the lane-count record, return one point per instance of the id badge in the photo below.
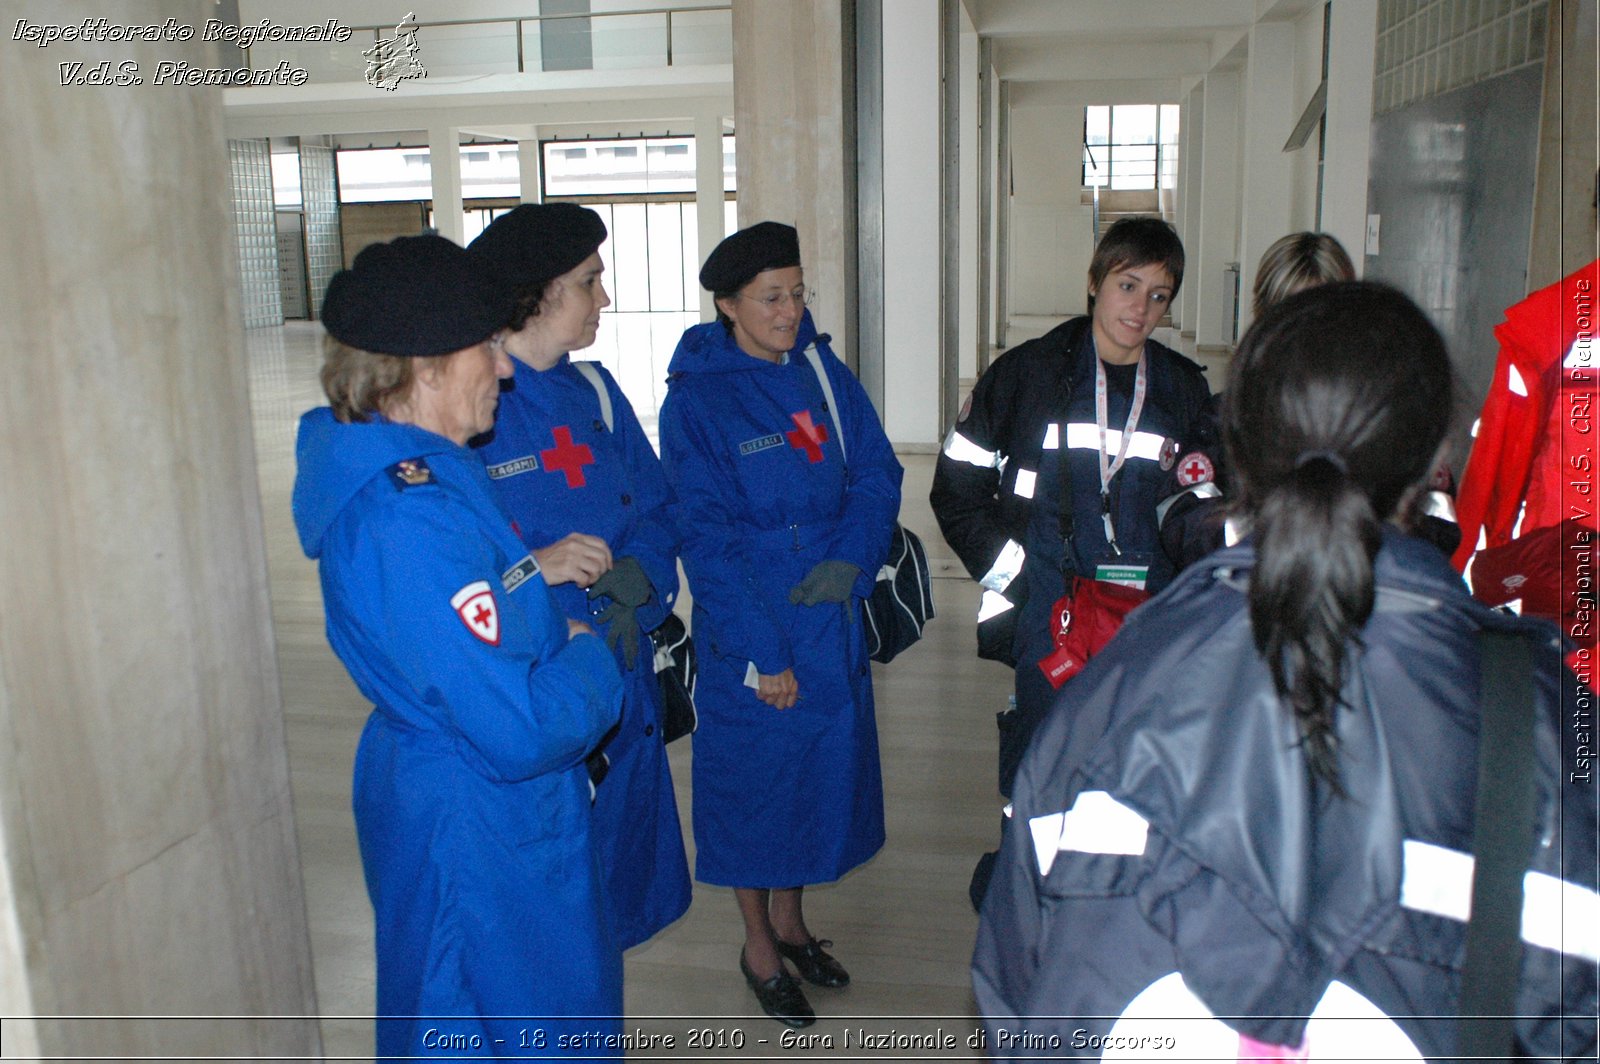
(1134, 576)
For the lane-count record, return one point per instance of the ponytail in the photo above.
(1312, 591)
(1340, 399)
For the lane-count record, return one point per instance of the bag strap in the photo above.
(1503, 835)
(592, 374)
(815, 359)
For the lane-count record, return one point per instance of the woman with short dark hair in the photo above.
(1257, 803)
(1051, 477)
(574, 470)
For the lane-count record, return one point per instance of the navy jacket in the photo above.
(1170, 855)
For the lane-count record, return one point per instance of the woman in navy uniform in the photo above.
(470, 793)
(1258, 802)
(586, 493)
(785, 528)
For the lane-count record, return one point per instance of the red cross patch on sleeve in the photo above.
(1195, 468)
(475, 605)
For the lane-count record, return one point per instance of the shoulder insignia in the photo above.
(475, 605)
(410, 473)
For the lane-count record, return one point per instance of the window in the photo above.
(1130, 146)
(666, 165)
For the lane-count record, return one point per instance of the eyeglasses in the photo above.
(804, 297)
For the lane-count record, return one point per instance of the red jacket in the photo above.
(1536, 437)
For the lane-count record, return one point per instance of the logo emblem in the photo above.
(806, 436)
(392, 61)
(475, 605)
(1195, 468)
(1514, 581)
(567, 457)
(1169, 452)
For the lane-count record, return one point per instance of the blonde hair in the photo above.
(360, 383)
(1297, 262)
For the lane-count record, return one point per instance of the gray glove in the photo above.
(625, 582)
(628, 588)
(829, 581)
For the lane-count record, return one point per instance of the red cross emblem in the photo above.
(1195, 469)
(474, 604)
(807, 437)
(567, 457)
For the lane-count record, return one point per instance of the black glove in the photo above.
(829, 581)
(628, 588)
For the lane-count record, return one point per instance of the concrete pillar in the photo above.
(149, 864)
(708, 194)
(530, 168)
(1190, 124)
(444, 159)
(912, 223)
(1270, 113)
(1219, 211)
(789, 91)
(1352, 49)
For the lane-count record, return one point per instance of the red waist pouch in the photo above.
(1083, 621)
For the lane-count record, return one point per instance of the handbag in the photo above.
(677, 672)
(675, 666)
(901, 603)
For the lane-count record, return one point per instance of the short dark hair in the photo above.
(1339, 399)
(1137, 241)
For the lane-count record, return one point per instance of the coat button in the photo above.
(649, 729)
(599, 426)
(627, 500)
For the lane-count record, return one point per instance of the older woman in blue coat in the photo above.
(586, 493)
(785, 527)
(470, 794)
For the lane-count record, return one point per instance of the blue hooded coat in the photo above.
(557, 469)
(782, 798)
(471, 798)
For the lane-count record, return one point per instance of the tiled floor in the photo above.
(902, 923)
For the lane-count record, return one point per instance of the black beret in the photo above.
(417, 295)
(537, 242)
(763, 246)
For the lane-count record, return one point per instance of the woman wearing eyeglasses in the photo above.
(784, 529)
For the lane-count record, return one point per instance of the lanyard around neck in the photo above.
(1109, 467)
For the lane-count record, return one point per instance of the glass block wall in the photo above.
(1430, 47)
(250, 165)
(319, 192)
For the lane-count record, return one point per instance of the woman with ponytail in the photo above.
(1257, 803)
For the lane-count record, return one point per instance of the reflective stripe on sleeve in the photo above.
(1086, 436)
(1052, 437)
(1026, 478)
(1439, 504)
(1208, 490)
(993, 604)
(1556, 914)
(1515, 383)
(962, 449)
(1005, 567)
(1096, 823)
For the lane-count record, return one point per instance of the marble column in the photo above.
(1270, 112)
(1219, 212)
(789, 91)
(444, 159)
(708, 194)
(530, 165)
(148, 865)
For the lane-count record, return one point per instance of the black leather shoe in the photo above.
(780, 997)
(814, 964)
